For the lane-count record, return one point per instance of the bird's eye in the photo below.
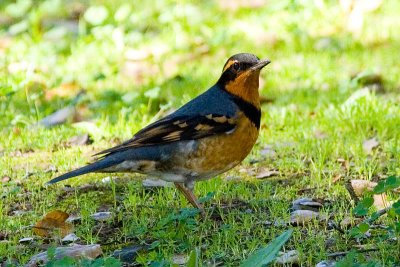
(236, 66)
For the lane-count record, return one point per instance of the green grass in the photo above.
(310, 90)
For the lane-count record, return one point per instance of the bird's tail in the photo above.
(93, 167)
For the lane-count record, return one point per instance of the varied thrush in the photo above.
(207, 136)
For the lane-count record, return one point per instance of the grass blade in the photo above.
(194, 258)
(264, 256)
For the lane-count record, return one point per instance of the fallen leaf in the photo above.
(327, 263)
(75, 251)
(361, 186)
(5, 179)
(19, 212)
(67, 113)
(51, 168)
(306, 204)
(128, 254)
(15, 67)
(80, 140)
(70, 238)
(348, 221)
(101, 216)
(64, 90)
(302, 217)
(233, 178)
(265, 173)
(74, 219)
(336, 178)
(54, 220)
(59, 117)
(5, 42)
(180, 259)
(381, 201)
(248, 171)
(371, 80)
(344, 163)
(25, 240)
(320, 135)
(106, 180)
(96, 15)
(268, 151)
(369, 145)
(287, 258)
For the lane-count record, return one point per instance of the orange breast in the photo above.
(223, 152)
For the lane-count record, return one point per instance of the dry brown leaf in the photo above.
(348, 222)
(5, 42)
(381, 202)
(64, 90)
(344, 163)
(248, 171)
(307, 204)
(369, 145)
(54, 223)
(75, 251)
(290, 257)
(265, 173)
(302, 217)
(5, 179)
(320, 134)
(336, 178)
(361, 186)
(80, 140)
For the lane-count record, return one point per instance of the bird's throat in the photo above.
(245, 86)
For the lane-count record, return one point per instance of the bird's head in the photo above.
(240, 76)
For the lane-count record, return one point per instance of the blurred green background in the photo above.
(127, 54)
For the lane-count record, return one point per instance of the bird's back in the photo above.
(213, 101)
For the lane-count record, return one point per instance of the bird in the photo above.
(207, 136)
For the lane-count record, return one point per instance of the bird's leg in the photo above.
(188, 193)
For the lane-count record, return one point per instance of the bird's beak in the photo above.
(261, 64)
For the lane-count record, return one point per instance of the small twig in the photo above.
(379, 213)
(378, 226)
(344, 253)
(336, 227)
(350, 189)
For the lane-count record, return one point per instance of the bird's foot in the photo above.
(188, 193)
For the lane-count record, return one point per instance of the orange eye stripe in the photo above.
(229, 64)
